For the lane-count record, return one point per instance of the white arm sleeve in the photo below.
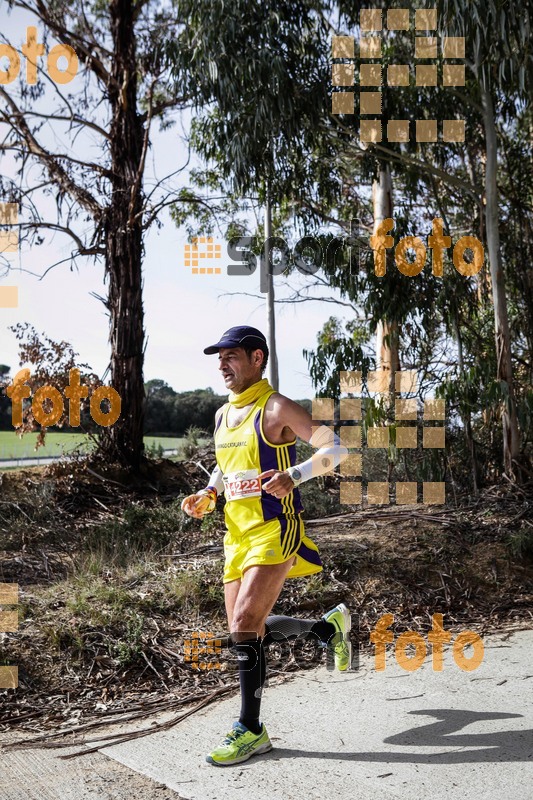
(216, 480)
(329, 456)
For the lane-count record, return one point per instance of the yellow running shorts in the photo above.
(272, 542)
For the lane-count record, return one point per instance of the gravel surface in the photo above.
(39, 774)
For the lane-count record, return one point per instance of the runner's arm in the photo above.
(204, 501)
(330, 453)
(215, 481)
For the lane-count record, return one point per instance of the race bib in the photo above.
(239, 485)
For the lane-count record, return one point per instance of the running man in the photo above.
(265, 542)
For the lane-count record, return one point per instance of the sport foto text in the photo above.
(74, 392)
(203, 644)
(437, 637)
(32, 50)
(308, 254)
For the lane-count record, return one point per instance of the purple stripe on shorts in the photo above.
(297, 534)
(310, 555)
(283, 533)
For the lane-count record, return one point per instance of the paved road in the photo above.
(368, 734)
(30, 462)
(364, 734)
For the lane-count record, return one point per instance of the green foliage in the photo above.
(521, 544)
(129, 645)
(446, 324)
(167, 411)
(256, 70)
(154, 450)
(338, 349)
(50, 363)
(140, 529)
(191, 442)
(499, 34)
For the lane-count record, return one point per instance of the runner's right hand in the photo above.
(196, 505)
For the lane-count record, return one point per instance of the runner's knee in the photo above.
(247, 620)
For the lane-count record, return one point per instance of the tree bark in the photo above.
(511, 436)
(387, 339)
(387, 352)
(465, 414)
(272, 366)
(123, 441)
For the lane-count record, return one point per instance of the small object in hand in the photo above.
(196, 505)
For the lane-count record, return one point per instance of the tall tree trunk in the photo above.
(387, 349)
(387, 339)
(465, 414)
(272, 366)
(123, 441)
(511, 437)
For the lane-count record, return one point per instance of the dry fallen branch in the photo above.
(118, 738)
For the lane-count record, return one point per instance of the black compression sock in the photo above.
(252, 671)
(324, 630)
(278, 628)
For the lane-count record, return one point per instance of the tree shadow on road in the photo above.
(495, 746)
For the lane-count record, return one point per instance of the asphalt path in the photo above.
(362, 734)
(367, 734)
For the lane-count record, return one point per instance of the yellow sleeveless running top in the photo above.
(243, 453)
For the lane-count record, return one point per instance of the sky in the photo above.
(183, 312)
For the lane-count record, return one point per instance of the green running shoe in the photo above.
(340, 643)
(239, 745)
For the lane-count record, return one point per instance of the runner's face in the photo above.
(239, 371)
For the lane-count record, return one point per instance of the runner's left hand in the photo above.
(280, 483)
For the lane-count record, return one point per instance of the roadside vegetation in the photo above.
(114, 579)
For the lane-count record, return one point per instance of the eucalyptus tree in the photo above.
(256, 72)
(498, 38)
(256, 69)
(82, 145)
(444, 178)
(401, 184)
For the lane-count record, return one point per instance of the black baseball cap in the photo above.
(240, 336)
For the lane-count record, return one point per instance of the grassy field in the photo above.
(11, 446)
